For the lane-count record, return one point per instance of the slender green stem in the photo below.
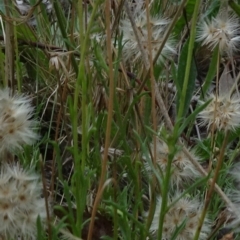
(62, 25)
(109, 119)
(188, 65)
(164, 40)
(154, 114)
(171, 145)
(17, 61)
(81, 84)
(211, 188)
(165, 188)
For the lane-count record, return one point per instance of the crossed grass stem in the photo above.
(212, 185)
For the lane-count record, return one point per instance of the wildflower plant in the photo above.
(222, 30)
(105, 75)
(182, 214)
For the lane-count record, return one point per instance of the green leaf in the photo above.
(180, 78)
(62, 23)
(2, 9)
(188, 11)
(211, 71)
(212, 10)
(235, 7)
(179, 229)
(71, 218)
(99, 56)
(234, 135)
(39, 229)
(192, 116)
(24, 32)
(203, 148)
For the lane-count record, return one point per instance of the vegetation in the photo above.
(127, 113)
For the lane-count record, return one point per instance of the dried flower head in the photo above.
(20, 202)
(158, 26)
(222, 113)
(184, 210)
(182, 168)
(16, 125)
(222, 30)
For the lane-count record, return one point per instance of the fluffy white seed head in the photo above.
(222, 30)
(184, 210)
(130, 46)
(20, 203)
(182, 169)
(222, 113)
(16, 124)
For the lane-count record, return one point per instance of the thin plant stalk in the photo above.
(109, 119)
(213, 128)
(153, 113)
(212, 185)
(189, 62)
(204, 173)
(46, 200)
(81, 83)
(115, 216)
(173, 140)
(62, 26)
(152, 81)
(136, 33)
(165, 190)
(9, 48)
(164, 40)
(17, 61)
